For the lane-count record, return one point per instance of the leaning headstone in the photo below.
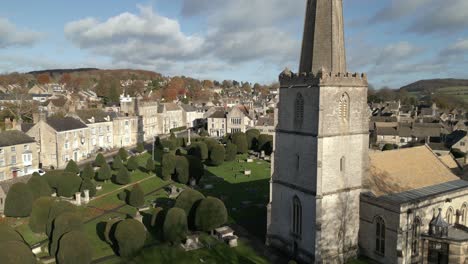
(262, 154)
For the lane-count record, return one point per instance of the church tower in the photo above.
(321, 146)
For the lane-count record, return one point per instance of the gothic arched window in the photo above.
(462, 219)
(299, 111)
(344, 107)
(297, 217)
(380, 235)
(416, 234)
(449, 215)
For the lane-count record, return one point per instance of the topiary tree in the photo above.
(117, 163)
(72, 167)
(210, 214)
(217, 155)
(196, 168)
(252, 138)
(104, 173)
(168, 166)
(88, 172)
(132, 164)
(39, 186)
(175, 225)
(136, 197)
(18, 202)
(64, 223)
(57, 208)
(40, 214)
(100, 161)
(140, 147)
(15, 252)
(199, 149)
(130, 235)
(387, 147)
(170, 144)
(182, 170)
(210, 143)
(7, 233)
(89, 185)
(68, 184)
(109, 231)
(188, 200)
(157, 217)
(231, 152)
(265, 143)
(150, 166)
(74, 248)
(123, 154)
(203, 133)
(240, 140)
(123, 176)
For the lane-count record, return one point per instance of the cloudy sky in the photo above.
(394, 41)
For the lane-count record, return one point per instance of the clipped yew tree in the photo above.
(210, 143)
(123, 176)
(74, 248)
(88, 172)
(168, 166)
(18, 202)
(182, 170)
(39, 186)
(231, 152)
(100, 160)
(175, 225)
(140, 147)
(64, 223)
(150, 166)
(240, 140)
(104, 173)
(68, 184)
(217, 155)
(40, 214)
(72, 167)
(15, 252)
(210, 214)
(199, 149)
(57, 208)
(130, 235)
(89, 185)
(265, 143)
(7, 233)
(123, 154)
(117, 163)
(196, 168)
(136, 197)
(132, 163)
(252, 138)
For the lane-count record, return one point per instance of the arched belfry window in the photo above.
(299, 111)
(449, 215)
(297, 217)
(462, 216)
(380, 236)
(416, 235)
(344, 107)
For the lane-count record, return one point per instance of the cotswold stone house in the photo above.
(238, 119)
(18, 155)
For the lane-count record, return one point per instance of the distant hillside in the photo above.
(62, 71)
(433, 85)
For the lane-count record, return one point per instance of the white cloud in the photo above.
(399, 8)
(11, 36)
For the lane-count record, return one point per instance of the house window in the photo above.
(380, 236)
(66, 158)
(462, 144)
(13, 149)
(416, 234)
(67, 145)
(299, 111)
(26, 147)
(344, 107)
(297, 217)
(13, 160)
(342, 164)
(2, 162)
(449, 215)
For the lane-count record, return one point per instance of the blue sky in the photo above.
(394, 41)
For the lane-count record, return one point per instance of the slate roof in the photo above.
(218, 114)
(99, 115)
(188, 108)
(266, 121)
(14, 137)
(65, 124)
(25, 127)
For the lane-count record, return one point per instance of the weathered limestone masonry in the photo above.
(320, 155)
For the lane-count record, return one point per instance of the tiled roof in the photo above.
(14, 137)
(65, 124)
(99, 115)
(218, 114)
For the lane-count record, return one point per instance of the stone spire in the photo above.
(323, 43)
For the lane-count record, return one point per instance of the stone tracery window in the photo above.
(299, 111)
(297, 217)
(462, 219)
(344, 107)
(449, 215)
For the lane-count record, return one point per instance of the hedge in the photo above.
(168, 166)
(64, 223)
(211, 213)
(15, 252)
(130, 235)
(217, 155)
(136, 198)
(72, 167)
(74, 249)
(57, 208)
(132, 163)
(18, 202)
(100, 160)
(104, 173)
(40, 214)
(123, 176)
(123, 154)
(231, 152)
(175, 225)
(88, 172)
(182, 170)
(240, 140)
(196, 168)
(117, 163)
(39, 186)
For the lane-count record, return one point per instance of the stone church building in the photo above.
(330, 199)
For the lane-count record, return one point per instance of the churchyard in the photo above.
(244, 196)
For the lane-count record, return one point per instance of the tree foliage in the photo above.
(57, 208)
(123, 154)
(88, 172)
(15, 252)
(130, 235)
(104, 173)
(68, 184)
(72, 167)
(182, 170)
(150, 166)
(64, 223)
(136, 197)
(117, 163)
(252, 138)
(39, 186)
(123, 176)
(40, 214)
(196, 168)
(100, 161)
(18, 202)
(140, 147)
(240, 140)
(175, 225)
(89, 185)
(74, 248)
(211, 213)
(217, 155)
(7, 233)
(231, 152)
(265, 143)
(132, 163)
(199, 149)
(168, 166)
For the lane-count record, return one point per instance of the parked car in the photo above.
(40, 171)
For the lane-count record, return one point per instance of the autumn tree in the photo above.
(43, 78)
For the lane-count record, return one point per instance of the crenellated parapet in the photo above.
(323, 78)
